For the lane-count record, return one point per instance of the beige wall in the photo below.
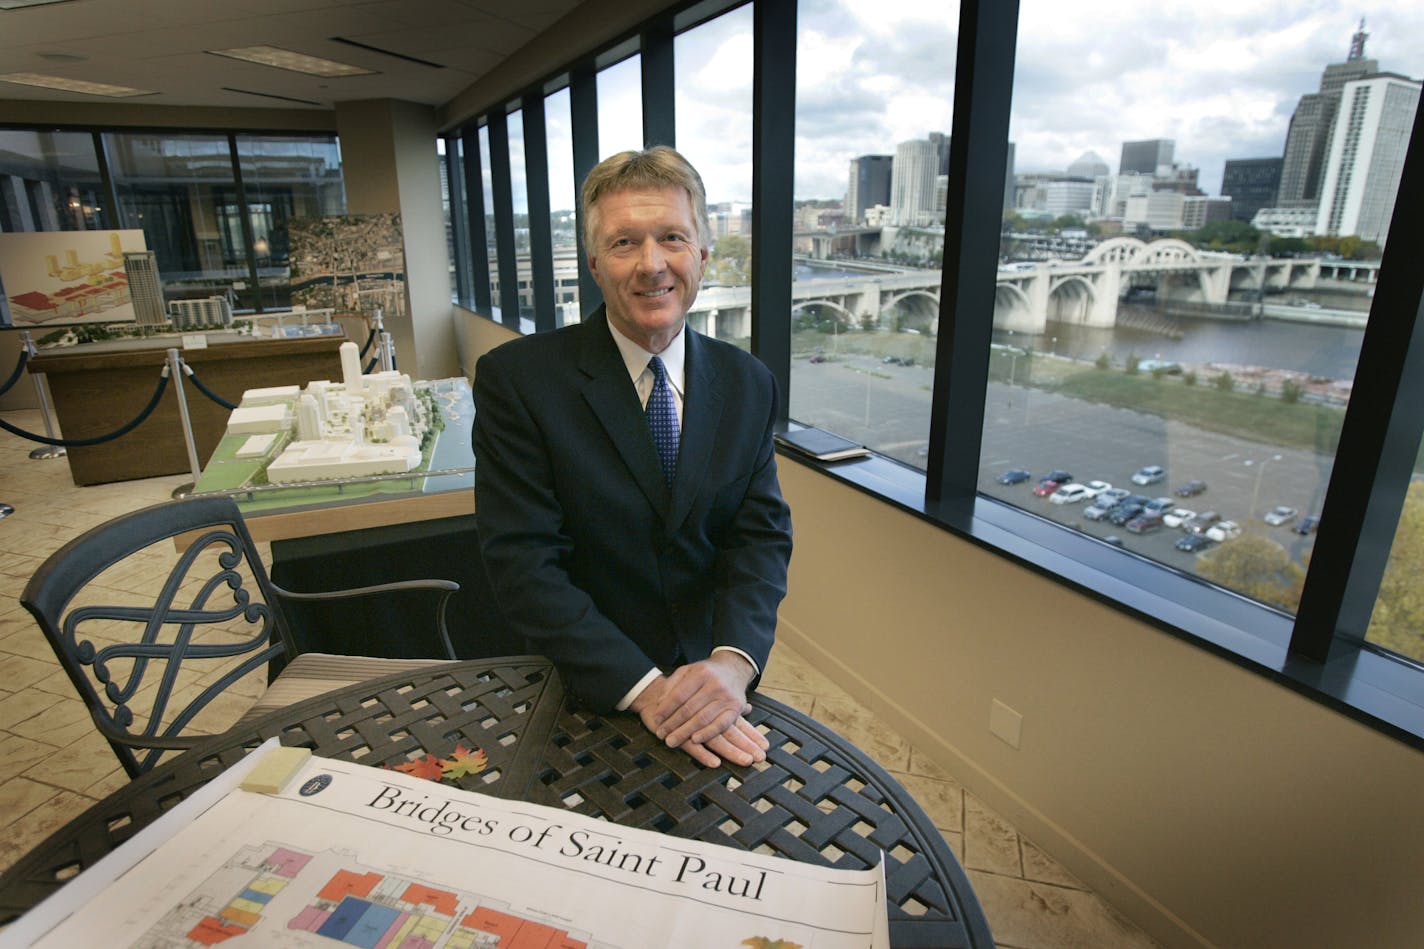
(477, 335)
(1210, 804)
(389, 163)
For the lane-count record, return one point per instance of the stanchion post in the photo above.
(46, 412)
(175, 369)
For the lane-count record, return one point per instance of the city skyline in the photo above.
(1220, 79)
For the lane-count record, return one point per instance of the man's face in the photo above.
(647, 260)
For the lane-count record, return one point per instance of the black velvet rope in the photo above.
(366, 346)
(369, 366)
(98, 439)
(193, 377)
(19, 368)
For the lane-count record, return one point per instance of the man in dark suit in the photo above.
(628, 508)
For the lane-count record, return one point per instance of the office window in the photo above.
(713, 64)
(563, 205)
(491, 249)
(49, 181)
(285, 177)
(519, 188)
(874, 94)
(180, 189)
(620, 107)
(1147, 345)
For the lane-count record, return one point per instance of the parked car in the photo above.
(1104, 503)
(1126, 509)
(1191, 489)
(1308, 525)
(1014, 476)
(1070, 493)
(1193, 543)
(1145, 523)
(1223, 531)
(1051, 482)
(1150, 474)
(1280, 514)
(1178, 516)
(1096, 488)
(1159, 505)
(1201, 523)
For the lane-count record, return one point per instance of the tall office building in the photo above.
(1308, 139)
(1366, 158)
(869, 185)
(1145, 157)
(941, 144)
(912, 183)
(1251, 184)
(145, 288)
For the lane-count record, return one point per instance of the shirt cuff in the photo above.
(756, 670)
(637, 690)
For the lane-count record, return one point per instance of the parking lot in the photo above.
(888, 407)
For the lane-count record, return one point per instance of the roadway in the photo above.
(887, 406)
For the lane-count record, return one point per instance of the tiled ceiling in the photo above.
(160, 45)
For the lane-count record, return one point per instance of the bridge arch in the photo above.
(923, 317)
(846, 318)
(1168, 250)
(1115, 250)
(1071, 299)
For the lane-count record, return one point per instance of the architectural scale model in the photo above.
(364, 425)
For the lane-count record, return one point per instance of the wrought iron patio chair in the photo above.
(158, 668)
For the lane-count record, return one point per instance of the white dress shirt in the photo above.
(636, 359)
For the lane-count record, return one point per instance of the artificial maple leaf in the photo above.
(464, 761)
(426, 766)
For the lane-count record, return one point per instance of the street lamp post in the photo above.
(1256, 489)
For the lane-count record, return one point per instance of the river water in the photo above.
(1330, 352)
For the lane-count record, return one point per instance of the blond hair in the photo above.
(656, 167)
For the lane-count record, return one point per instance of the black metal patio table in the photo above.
(816, 798)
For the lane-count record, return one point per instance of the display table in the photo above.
(817, 798)
(285, 513)
(98, 387)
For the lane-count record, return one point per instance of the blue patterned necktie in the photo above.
(662, 419)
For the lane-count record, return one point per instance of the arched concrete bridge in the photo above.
(1084, 291)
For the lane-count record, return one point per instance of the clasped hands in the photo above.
(699, 708)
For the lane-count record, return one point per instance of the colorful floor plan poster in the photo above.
(353, 856)
(54, 278)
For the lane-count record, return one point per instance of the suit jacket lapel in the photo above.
(613, 399)
(701, 414)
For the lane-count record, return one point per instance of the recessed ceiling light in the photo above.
(296, 62)
(64, 84)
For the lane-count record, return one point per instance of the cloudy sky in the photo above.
(1220, 77)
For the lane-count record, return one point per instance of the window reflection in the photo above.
(874, 92)
(181, 191)
(284, 177)
(49, 181)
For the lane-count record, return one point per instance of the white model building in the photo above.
(364, 425)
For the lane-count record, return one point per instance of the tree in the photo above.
(730, 260)
(1398, 619)
(1256, 566)
(1234, 236)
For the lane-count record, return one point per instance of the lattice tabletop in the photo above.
(816, 798)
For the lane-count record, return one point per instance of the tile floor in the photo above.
(55, 764)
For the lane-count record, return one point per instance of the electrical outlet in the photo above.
(1005, 723)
